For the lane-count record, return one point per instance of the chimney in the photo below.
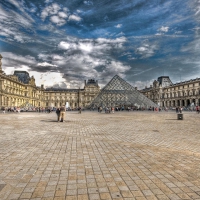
(85, 82)
(42, 86)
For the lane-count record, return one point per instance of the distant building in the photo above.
(54, 97)
(166, 94)
(19, 89)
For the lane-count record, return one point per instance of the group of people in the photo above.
(179, 109)
(60, 112)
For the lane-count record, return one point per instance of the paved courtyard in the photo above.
(121, 156)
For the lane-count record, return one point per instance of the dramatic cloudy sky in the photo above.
(64, 42)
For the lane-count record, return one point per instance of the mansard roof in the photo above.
(61, 90)
(23, 76)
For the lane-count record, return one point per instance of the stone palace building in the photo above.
(166, 94)
(20, 89)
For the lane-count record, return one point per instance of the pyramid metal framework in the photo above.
(120, 93)
(27, 106)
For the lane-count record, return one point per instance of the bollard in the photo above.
(180, 116)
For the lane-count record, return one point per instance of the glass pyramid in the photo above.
(27, 106)
(120, 93)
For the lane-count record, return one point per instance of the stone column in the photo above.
(185, 101)
(196, 102)
(0, 101)
(3, 100)
(163, 103)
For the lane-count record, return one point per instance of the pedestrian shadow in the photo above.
(48, 121)
(170, 119)
(54, 121)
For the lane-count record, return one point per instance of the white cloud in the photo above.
(142, 84)
(62, 14)
(86, 47)
(44, 64)
(164, 29)
(58, 15)
(25, 63)
(146, 50)
(48, 79)
(66, 45)
(74, 18)
(85, 56)
(10, 21)
(57, 20)
(50, 10)
(20, 6)
(88, 3)
(97, 46)
(118, 26)
(11, 59)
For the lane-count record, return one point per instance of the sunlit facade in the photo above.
(166, 94)
(20, 89)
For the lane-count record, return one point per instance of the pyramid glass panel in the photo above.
(120, 93)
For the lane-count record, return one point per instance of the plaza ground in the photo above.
(93, 156)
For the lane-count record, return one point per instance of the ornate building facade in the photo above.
(166, 94)
(19, 89)
(54, 97)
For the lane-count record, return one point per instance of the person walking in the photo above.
(58, 114)
(113, 109)
(100, 109)
(197, 109)
(79, 109)
(4, 110)
(62, 113)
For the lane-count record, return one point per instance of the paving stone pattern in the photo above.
(93, 156)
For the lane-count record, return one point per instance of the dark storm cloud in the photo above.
(80, 39)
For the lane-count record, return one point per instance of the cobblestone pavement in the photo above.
(125, 155)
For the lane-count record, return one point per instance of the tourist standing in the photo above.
(113, 109)
(58, 114)
(100, 109)
(62, 113)
(79, 109)
(197, 109)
